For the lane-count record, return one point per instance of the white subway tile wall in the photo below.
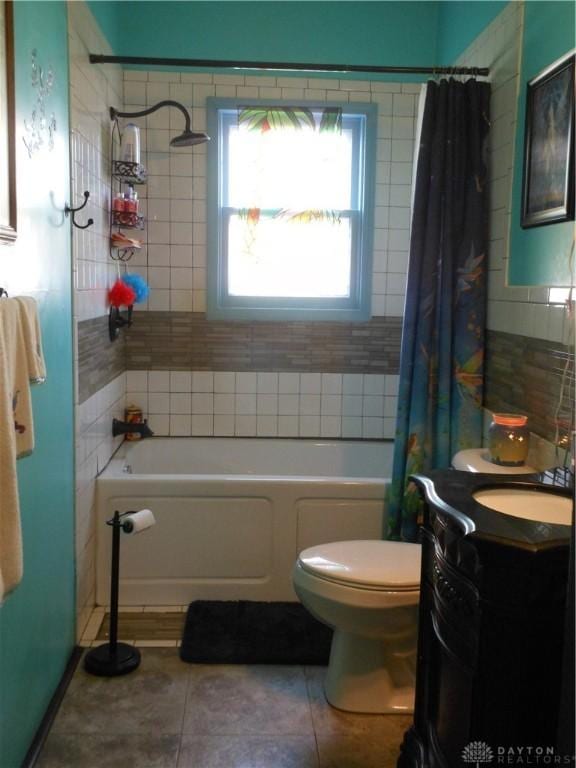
(92, 90)
(520, 310)
(94, 447)
(244, 404)
(174, 199)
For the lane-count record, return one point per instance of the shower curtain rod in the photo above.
(97, 58)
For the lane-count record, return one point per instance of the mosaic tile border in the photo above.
(188, 341)
(100, 361)
(524, 375)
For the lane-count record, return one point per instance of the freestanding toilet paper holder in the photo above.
(113, 658)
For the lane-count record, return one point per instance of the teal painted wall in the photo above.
(37, 621)
(540, 256)
(408, 33)
(395, 33)
(108, 16)
(460, 22)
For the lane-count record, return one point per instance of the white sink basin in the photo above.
(528, 504)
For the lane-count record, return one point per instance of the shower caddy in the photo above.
(126, 173)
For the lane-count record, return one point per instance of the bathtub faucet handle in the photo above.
(124, 427)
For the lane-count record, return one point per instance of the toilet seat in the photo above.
(383, 566)
(352, 596)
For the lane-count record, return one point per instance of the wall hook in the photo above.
(68, 210)
(116, 321)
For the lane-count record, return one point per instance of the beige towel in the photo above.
(32, 339)
(15, 419)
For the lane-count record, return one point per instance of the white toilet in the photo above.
(367, 591)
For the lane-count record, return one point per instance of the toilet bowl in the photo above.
(367, 591)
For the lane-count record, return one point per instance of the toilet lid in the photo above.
(390, 565)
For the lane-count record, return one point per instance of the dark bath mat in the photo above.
(247, 632)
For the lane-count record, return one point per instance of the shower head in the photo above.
(186, 139)
(189, 139)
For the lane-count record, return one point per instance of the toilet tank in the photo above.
(478, 460)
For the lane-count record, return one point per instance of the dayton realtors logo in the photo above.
(479, 752)
(531, 756)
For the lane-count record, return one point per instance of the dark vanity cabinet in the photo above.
(492, 604)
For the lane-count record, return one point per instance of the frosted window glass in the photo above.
(289, 169)
(278, 258)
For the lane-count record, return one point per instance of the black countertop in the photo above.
(451, 491)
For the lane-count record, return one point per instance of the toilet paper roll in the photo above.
(138, 521)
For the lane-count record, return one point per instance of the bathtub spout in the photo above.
(123, 427)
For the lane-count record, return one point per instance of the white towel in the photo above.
(14, 391)
(21, 362)
(32, 339)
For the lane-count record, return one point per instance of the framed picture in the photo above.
(7, 127)
(548, 180)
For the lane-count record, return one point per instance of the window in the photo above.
(290, 210)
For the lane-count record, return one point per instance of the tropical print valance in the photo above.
(266, 118)
(253, 215)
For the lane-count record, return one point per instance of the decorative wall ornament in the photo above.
(41, 128)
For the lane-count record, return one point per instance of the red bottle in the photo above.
(131, 200)
(118, 203)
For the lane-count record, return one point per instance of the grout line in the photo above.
(187, 697)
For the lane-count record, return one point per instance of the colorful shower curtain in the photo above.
(441, 368)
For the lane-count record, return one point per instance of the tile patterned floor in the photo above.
(168, 714)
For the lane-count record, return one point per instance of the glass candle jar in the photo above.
(508, 439)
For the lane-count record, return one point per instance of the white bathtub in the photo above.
(232, 514)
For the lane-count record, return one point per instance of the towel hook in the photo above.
(73, 211)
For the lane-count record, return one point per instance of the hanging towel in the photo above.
(19, 383)
(15, 422)
(32, 339)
